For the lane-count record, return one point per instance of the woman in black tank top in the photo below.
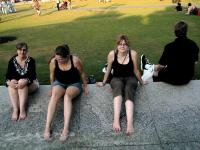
(66, 73)
(124, 83)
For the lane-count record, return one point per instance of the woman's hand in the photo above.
(13, 84)
(144, 82)
(22, 83)
(100, 84)
(85, 90)
(50, 92)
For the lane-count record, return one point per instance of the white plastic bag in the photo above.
(148, 74)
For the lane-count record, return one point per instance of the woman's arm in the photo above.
(52, 69)
(135, 64)
(78, 64)
(110, 60)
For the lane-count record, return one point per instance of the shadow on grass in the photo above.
(92, 37)
(17, 17)
(5, 39)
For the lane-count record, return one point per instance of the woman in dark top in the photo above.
(21, 80)
(66, 73)
(125, 79)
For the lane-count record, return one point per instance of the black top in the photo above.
(179, 8)
(180, 57)
(15, 71)
(122, 70)
(69, 76)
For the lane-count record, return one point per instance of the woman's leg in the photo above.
(129, 114)
(130, 90)
(117, 86)
(33, 87)
(117, 109)
(23, 96)
(57, 93)
(70, 94)
(14, 98)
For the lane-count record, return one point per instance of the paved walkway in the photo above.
(166, 118)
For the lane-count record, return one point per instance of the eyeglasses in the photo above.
(122, 44)
(22, 49)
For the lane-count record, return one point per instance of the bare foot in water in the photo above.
(129, 130)
(116, 127)
(22, 115)
(14, 115)
(64, 135)
(47, 134)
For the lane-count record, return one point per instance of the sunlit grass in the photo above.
(91, 33)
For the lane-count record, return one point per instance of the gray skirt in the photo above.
(124, 86)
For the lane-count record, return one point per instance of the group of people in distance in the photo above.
(191, 9)
(68, 79)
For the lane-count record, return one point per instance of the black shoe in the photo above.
(143, 62)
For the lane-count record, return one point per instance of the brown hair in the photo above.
(62, 50)
(123, 37)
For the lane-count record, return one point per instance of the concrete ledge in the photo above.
(166, 117)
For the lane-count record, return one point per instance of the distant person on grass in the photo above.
(178, 7)
(21, 79)
(192, 9)
(124, 83)
(66, 73)
(177, 63)
(36, 6)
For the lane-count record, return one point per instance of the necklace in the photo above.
(125, 57)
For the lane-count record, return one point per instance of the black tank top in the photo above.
(122, 70)
(69, 76)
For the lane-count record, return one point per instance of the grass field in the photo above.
(91, 29)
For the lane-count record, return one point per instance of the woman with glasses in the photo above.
(66, 77)
(124, 83)
(21, 79)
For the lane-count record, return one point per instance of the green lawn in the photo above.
(91, 29)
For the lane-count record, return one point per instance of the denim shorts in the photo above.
(65, 86)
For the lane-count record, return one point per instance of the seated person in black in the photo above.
(177, 63)
(21, 80)
(66, 73)
(178, 7)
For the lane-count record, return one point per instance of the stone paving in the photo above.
(166, 118)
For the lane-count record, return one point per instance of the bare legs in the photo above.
(71, 93)
(14, 98)
(57, 93)
(18, 98)
(129, 114)
(117, 110)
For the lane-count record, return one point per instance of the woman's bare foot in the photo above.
(116, 127)
(64, 135)
(22, 115)
(14, 115)
(47, 134)
(129, 130)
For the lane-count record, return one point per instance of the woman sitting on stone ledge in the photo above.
(66, 73)
(124, 83)
(21, 80)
